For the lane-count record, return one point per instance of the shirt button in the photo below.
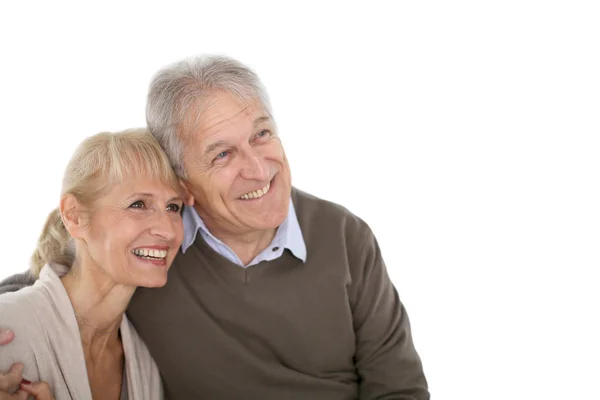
(275, 248)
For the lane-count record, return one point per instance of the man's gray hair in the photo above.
(177, 88)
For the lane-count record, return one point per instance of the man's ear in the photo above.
(73, 215)
(188, 199)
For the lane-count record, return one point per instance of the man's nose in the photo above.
(254, 168)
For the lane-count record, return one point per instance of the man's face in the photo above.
(237, 171)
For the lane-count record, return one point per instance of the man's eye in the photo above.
(222, 154)
(138, 204)
(174, 207)
(263, 133)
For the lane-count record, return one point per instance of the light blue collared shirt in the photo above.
(288, 236)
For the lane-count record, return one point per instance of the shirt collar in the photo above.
(288, 235)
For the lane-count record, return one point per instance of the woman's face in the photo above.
(134, 232)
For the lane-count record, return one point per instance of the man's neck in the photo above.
(245, 245)
(248, 246)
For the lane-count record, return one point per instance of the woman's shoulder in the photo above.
(22, 312)
(38, 294)
(19, 305)
(26, 310)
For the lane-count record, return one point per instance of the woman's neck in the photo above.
(99, 304)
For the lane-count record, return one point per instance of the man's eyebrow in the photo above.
(262, 119)
(211, 147)
(222, 143)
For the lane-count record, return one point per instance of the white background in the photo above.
(465, 133)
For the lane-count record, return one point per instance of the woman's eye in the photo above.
(174, 207)
(138, 204)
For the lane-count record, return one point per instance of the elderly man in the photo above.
(276, 294)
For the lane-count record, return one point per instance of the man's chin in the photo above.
(266, 222)
(263, 215)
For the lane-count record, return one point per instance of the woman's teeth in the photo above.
(153, 253)
(257, 193)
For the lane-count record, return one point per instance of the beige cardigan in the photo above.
(48, 343)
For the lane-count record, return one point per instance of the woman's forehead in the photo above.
(146, 185)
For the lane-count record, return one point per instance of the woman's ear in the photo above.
(72, 214)
(188, 199)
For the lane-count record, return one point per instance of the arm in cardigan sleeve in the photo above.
(17, 314)
(386, 360)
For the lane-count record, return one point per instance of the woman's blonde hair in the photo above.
(100, 162)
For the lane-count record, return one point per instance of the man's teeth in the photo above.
(257, 193)
(154, 253)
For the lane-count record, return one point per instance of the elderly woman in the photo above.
(118, 226)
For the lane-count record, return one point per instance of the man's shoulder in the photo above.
(16, 282)
(315, 212)
(306, 203)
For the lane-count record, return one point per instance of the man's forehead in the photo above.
(220, 112)
(237, 124)
(228, 105)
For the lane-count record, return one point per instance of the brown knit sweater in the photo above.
(331, 328)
